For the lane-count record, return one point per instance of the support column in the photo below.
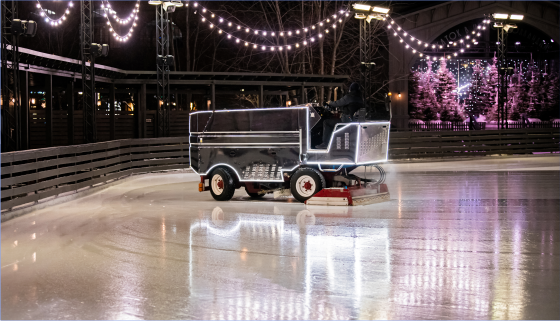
(302, 94)
(261, 96)
(213, 96)
(70, 117)
(89, 101)
(398, 82)
(112, 112)
(24, 105)
(49, 110)
(142, 110)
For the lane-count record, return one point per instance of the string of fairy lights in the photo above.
(229, 33)
(132, 17)
(240, 34)
(306, 35)
(323, 24)
(57, 21)
(464, 42)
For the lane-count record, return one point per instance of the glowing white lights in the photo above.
(282, 33)
(54, 22)
(398, 29)
(231, 35)
(132, 17)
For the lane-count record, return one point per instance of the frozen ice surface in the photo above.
(469, 239)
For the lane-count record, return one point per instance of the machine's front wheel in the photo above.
(305, 183)
(222, 186)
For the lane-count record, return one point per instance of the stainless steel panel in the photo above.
(373, 142)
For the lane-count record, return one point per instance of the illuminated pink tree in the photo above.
(446, 90)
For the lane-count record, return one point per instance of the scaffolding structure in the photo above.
(88, 71)
(11, 105)
(366, 57)
(163, 62)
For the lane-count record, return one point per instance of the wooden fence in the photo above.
(32, 175)
(472, 143)
(455, 126)
(460, 126)
(541, 124)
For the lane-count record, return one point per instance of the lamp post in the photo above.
(163, 61)
(503, 24)
(366, 13)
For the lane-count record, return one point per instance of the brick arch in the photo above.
(546, 26)
(428, 24)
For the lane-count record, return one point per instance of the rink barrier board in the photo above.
(33, 175)
(472, 143)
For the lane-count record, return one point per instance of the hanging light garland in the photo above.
(132, 17)
(228, 28)
(329, 22)
(237, 40)
(54, 22)
(106, 6)
(466, 41)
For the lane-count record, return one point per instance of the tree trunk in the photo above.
(194, 49)
(175, 60)
(188, 44)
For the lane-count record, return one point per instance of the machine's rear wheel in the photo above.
(305, 183)
(253, 195)
(222, 186)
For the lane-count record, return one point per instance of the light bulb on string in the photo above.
(320, 23)
(132, 17)
(312, 39)
(54, 22)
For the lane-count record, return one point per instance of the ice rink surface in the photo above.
(467, 239)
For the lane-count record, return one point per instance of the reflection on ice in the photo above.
(309, 253)
(445, 247)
